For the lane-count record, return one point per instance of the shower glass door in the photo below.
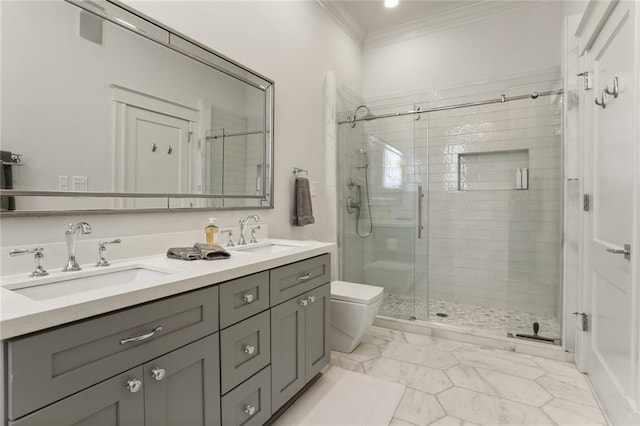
(378, 204)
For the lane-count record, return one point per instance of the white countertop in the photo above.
(20, 314)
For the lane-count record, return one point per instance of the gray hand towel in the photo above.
(302, 209)
(184, 253)
(211, 251)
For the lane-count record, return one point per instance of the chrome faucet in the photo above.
(243, 222)
(71, 236)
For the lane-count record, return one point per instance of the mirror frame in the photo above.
(121, 14)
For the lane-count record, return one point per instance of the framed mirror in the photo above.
(104, 109)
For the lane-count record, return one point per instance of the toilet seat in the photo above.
(355, 293)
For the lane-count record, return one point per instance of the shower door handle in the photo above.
(420, 199)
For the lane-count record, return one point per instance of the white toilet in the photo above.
(353, 309)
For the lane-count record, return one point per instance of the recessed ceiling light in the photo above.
(391, 3)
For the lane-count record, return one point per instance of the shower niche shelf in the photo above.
(505, 170)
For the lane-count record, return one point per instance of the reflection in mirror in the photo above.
(92, 106)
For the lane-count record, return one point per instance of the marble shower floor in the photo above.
(452, 383)
(493, 320)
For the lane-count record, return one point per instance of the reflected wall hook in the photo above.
(603, 102)
(170, 150)
(154, 147)
(613, 92)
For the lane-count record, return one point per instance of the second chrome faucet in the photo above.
(71, 237)
(243, 223)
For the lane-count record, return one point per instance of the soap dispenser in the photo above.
(211, 231)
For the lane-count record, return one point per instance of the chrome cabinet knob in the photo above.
(158, 373)
(250, 409)
(134, 385)
(248, 297)
(311, 299)
(304, 302)
(250, 349)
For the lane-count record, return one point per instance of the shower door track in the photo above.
(501, 100)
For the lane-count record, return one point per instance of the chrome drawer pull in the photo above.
(249, 349)
(304, 277)
(142, 336)
(158, 373)
(134, 385)
(311, 299)
(304, 302)
(250, 409)
(247, 297)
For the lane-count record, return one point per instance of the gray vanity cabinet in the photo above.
(229, 354)
(179, 388)
(183, 386)
(109, 403)
(299, 342)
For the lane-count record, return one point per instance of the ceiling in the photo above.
(373, 16)
(369, 22)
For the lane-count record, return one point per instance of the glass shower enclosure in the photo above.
(457, 212)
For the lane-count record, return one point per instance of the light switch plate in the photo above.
(63, 183)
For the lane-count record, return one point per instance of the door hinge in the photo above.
(586, 75)
(189, 136)
(586, 202)
(585, 320)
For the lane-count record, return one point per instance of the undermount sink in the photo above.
(81, 281)
(268, 247)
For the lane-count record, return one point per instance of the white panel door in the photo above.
(611, 343)
(155, 154)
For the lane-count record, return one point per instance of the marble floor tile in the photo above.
(346, 363)
(415, 354)
(450, 383)
(570, 413)
(489, 410)
(419, 408)
(575, 390)
(398, 422)
(415, 376)
(451, 421)
(499, 384)
(379, 335)
(509, 363)
(364, 352)
(433, 342)
(558, 368)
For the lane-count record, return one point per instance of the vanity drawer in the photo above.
(297, 278)
(245, 348)
(244, 297)
(50, 365)
(250, 403)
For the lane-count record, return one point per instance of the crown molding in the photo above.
(474, 12)
(345, 20)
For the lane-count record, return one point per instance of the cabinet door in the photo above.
(287, 350)
(317, 351)
(183, 386)
(107, 403)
